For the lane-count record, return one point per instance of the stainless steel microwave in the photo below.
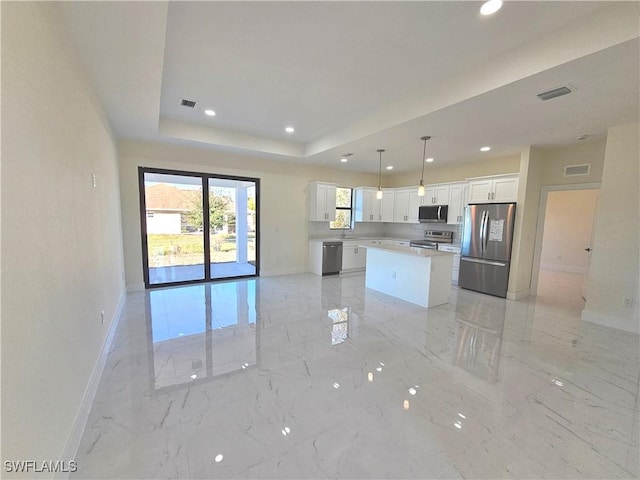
(433, 213)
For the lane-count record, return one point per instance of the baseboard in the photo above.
(557, 267)
(611, 321)
(80, 422)
(518, 295)
(278, 273)
(135, 287)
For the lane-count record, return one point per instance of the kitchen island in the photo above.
(415, 275)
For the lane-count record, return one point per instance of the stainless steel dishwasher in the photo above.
(331, 257)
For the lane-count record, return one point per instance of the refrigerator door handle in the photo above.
(482, 231)
(486, 262)
(486, 233)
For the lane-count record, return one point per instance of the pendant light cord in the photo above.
(424, 154)
(380, 171)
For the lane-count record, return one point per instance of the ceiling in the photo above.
(358, 76)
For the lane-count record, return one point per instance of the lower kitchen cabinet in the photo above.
(456, 261)
(354, 257)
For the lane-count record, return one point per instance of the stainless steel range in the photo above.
(431, 239)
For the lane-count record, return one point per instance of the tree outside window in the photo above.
(343, 209)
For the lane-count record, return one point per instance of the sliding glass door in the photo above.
(176, 248)
(232, 228)
(174, 236)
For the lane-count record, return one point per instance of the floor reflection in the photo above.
(200, 332)
(340, 327)
(479, 340)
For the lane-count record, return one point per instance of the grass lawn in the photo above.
(188, 249)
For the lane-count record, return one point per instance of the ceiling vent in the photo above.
(556, 92)
(577, 170)
(187, 103)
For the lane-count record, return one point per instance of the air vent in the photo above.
(187, 103)
(556, 92)
(577, 170)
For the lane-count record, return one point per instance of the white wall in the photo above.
(434, 173)
(554, 160)
(283, 200)
(567, 229)
(62, 260)
(524, 235)
(614, 272)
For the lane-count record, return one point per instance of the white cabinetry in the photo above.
(322, 202)
(315, 257)
(406, 205)
(456, 261)
(503, 188)
(457, 194)
(387, 205)
(354, 257)
(436, 195)
(367, 206)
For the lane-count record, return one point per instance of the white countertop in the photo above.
(357, 239)
(413, 251)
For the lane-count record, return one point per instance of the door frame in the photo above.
(542, 210)
(205, 219)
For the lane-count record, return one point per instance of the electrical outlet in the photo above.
(627, 301)
(102, 317)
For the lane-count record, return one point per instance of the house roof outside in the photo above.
(163, 197)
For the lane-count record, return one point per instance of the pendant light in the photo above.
(379, 192)
(424, 155)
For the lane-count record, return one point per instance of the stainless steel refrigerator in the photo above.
(486, 247)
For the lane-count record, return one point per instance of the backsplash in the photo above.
(416, 230)
(321, 229)
(395, 230)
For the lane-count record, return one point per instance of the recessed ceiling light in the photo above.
(582, 137)
(485, 149)
(389, 167)
(490, 7)
(210, 113)
(428, 160)
(289, 129)
(344, 159)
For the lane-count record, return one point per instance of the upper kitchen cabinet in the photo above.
(457, 201)
(322, 202)
(406, 204)
(367, 206)
(387, 205)
(497, 189)
(436, 195)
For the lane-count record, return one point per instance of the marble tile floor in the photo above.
(317, 377)
(181, 273)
